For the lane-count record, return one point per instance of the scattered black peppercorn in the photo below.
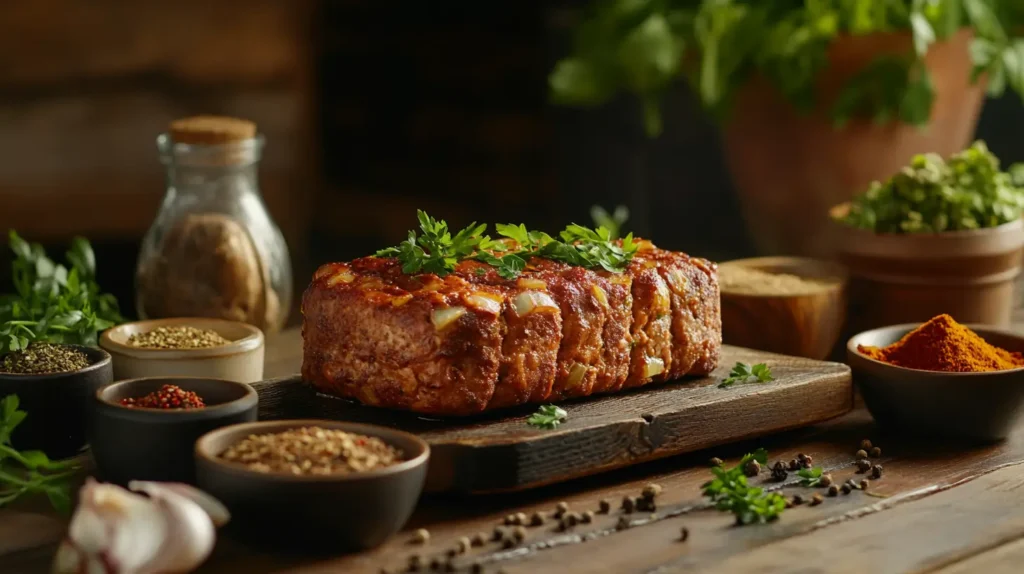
(833, 490)
(651, 490)
(876, 471)
(715, 461)
(587, 517)
(415, 563)
(605, 506)
(536, 519)
(865, 444)
(684, 534)
(510, 520)
(876, 452)
(645, 504)
(797, 499)
(861, 453)
(864, 484)
(779, 472)
(826, 480)
(435, 564)
(560, 509)
(464, 544)
(752, 468)
(846, 489)
(794, 465)
(628, 504)
(789, 503)
(451, 552)
(522, 519)
(519, 533)
(508, 543)
(476, 568)
(498, 534)
(863, 465)
(816, 500)
(622, 524)
(808, 461)
(572, 519)
(449, 566)
(479, 539)
(421, 536)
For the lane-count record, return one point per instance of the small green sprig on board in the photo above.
(729, 492)
(548, 417)
(933, 195)
(810, 476)
(436, 251)
(743, 373)
(52, 303)
(30, 472)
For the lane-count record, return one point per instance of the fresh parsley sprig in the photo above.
(548, 417)
(30, 472)
(729, 492)
(744, 373)
(51, 302)
(810, 476)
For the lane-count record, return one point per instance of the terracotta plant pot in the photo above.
(790, 169)
(911, 278)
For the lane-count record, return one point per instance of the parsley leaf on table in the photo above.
(810, 476)
(31, 471)
(52, 303)
(744, 373)
(730, 492)
(547, 417)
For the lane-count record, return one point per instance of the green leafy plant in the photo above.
(437, 251)
(744, 373)
(810, 476)
(933, 195)
(51, 302)
(548, 417)
(642, 46)
(30, 472)
(613, 222)
(729, 492)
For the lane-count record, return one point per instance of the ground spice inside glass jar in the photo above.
(44, 358)
(751, 281)
(177, 337)
(312, 450)
(167, 397)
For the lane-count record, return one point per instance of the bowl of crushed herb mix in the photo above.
(941, 377)
(336, 484)
(186, 347)
(789, 305)
(54, 383)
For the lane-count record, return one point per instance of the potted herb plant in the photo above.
(817, 99)
(940, 236)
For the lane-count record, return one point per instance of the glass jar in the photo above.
(213, 250)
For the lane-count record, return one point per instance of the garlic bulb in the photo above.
(116, 531)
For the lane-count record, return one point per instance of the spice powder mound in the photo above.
(44, 358)
(312, 451)
(942, 344)
(751, 281)
(177, 337)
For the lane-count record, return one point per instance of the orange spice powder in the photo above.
(942, 344)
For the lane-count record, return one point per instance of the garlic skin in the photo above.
(116, 531)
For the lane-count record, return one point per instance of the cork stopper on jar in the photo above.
(211, 130)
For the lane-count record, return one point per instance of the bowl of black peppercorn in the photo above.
(979, 406)
(56, 403)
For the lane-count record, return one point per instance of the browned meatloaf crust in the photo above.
(473, 341)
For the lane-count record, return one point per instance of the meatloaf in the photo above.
(472, 340)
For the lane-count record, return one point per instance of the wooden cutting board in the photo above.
(500, 452)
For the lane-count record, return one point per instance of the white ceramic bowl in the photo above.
(241, 360)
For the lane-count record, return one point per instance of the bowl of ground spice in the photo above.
(338, 485)
(789, 305)
(145, 429)
(186, 347)
(54, 384)
(941, 378)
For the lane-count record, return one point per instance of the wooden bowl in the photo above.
(157, 444)
(344, 511)
(981, 406)
(57, 405)
(806, 324)
(241, 360)
(897, 278)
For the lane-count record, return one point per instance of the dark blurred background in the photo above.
(371, 109)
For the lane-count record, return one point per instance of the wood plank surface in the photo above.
(499, 451)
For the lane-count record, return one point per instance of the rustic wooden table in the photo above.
(939, 508)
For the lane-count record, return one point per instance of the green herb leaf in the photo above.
(810, 476)
(744, 373)
(30, 472)
(730, 492)
(547, 417)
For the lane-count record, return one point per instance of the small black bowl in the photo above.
(981, 406)
(157, 444)
(336, 512)
(57, 404)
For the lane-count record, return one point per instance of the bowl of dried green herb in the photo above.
(55, 383)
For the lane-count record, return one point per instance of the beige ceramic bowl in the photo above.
(241, 360)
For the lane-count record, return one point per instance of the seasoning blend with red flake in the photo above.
(167, 397)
